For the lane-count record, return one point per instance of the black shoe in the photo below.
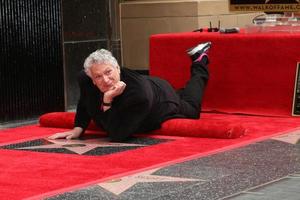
(196, 51)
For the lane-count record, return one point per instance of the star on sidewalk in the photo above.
(79, 146)
(117, 186)
(292, 137)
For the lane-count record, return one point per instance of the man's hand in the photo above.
(116, 90)
(72, 134)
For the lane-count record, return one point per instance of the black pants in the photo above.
(191, 95)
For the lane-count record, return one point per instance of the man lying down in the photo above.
(124, 102)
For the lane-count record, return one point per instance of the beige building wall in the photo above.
(140, 19)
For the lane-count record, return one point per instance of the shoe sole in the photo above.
(194, 50)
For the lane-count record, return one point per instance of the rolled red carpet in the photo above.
(208, 128)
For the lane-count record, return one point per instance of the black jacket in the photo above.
(145, 103)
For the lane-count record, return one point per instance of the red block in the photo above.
(250, 73)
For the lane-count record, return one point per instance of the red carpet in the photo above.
(27, 174)
(241, 82)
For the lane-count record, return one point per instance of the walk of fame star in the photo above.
(292, 137)
(80, 146)
(118, 186)
(99, 146)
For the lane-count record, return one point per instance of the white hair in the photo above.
(100, 56)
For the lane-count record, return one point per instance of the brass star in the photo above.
(80, 146)
(292, 137)
(118, 186)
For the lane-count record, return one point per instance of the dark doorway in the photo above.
(31, 59)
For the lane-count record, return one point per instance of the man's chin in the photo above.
(105, 89)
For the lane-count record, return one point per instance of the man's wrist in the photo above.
(105, 106)
(106, 103)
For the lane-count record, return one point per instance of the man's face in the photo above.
(104, 76)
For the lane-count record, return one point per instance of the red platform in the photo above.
(250, 73)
